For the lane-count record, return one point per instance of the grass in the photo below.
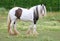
(48, 29)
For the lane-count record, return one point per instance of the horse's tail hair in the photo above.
(8, 22)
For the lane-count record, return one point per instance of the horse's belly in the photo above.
(26, 17)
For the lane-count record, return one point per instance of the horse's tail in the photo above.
(8, 22)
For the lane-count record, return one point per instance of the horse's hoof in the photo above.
(11, 33)
(29, 32)
(16, 32)
(35, 33)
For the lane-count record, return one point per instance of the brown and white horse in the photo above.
(31, 15)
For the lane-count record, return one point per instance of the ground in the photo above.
(48, 29)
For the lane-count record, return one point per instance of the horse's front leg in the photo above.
(34, 27)
(11, 25)
(34, 30)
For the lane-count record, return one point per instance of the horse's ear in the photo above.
(43, 6)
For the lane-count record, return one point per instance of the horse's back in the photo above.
(12, 11)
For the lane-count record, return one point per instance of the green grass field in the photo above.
(48, 29)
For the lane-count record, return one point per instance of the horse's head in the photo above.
(42, 10)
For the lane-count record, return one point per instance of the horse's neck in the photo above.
(33, 7)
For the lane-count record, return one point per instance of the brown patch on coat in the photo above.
(18, 13)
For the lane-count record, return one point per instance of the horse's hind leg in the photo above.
(11, 25)
(15, 30)
(29, 31)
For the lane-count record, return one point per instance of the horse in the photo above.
(32, 15)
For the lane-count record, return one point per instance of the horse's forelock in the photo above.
(44, 9)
